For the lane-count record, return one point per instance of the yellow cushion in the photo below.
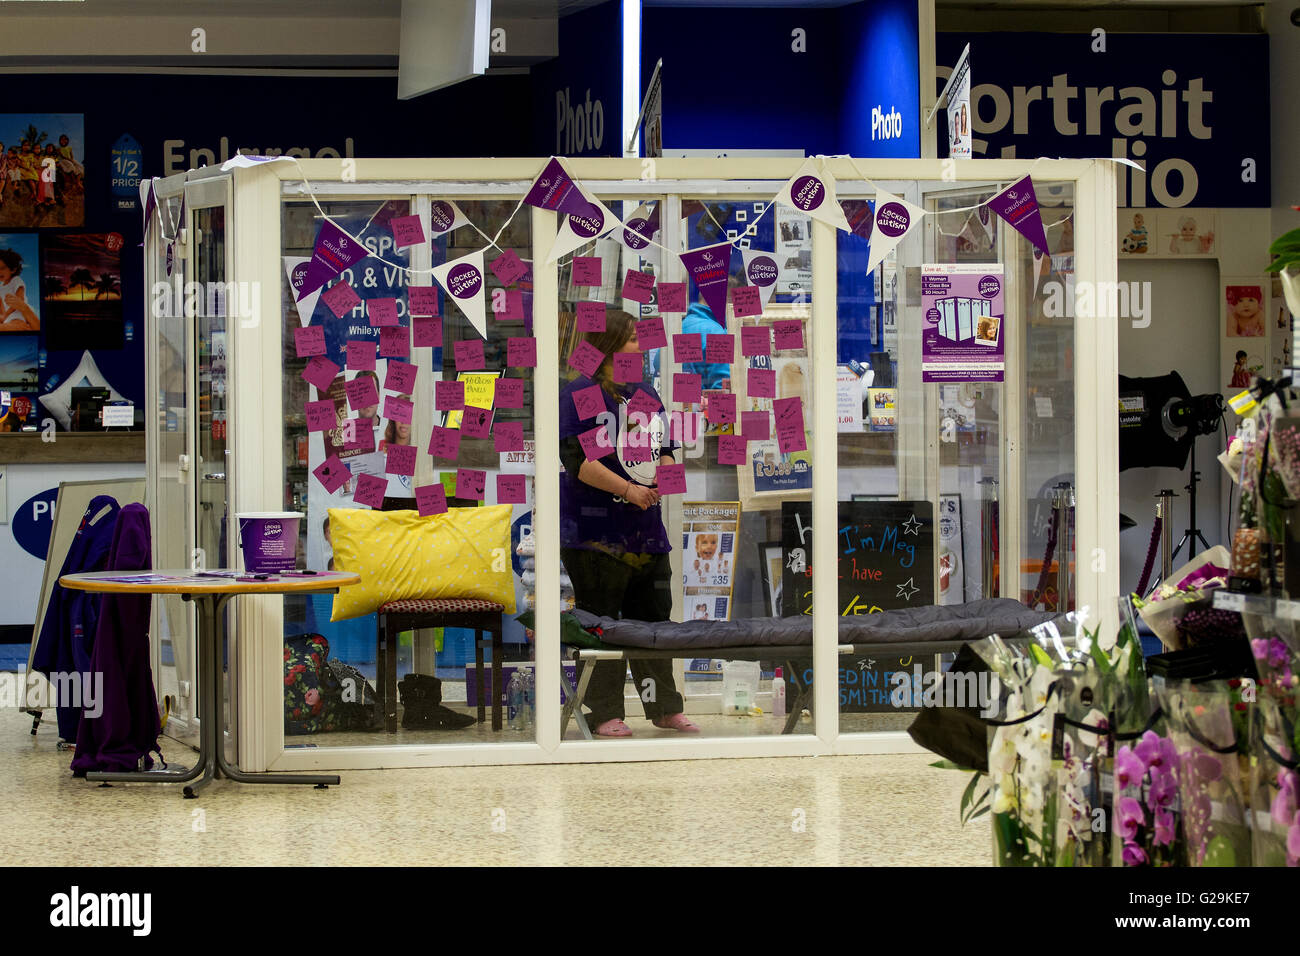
(462, 553)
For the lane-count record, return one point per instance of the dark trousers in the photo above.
(643, 592)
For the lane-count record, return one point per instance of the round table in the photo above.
(210, 590)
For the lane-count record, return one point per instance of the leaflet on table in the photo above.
(141, 579)
(773, 469)
(962, 311)
(710, 530)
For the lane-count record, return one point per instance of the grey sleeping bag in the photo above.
(950, 622)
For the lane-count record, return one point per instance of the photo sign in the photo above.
(885, 551)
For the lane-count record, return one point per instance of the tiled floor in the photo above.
(853, 810)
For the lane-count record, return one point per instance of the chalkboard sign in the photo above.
(886, 560)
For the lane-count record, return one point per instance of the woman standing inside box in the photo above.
(612, 537)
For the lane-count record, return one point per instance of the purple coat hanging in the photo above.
(68, 632)
(125, 730)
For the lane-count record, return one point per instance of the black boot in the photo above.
(421, 697)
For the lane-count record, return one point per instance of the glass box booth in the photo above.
(1009, 487)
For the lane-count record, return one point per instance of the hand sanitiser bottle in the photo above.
(515, 702)
(778, 694)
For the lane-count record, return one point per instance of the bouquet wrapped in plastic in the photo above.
(1206, 728)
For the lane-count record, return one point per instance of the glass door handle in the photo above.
(182, 468)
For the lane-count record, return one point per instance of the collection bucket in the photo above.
(269, 540)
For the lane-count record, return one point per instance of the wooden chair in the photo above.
(481, 617)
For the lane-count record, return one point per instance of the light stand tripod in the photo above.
(1193, 532)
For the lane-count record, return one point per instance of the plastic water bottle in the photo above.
(530, 702)
(515, 702)
(778, 694)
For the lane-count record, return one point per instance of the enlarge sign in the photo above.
(1192, 108)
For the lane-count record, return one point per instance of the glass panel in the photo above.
(173, 343)
(1048, 572)
(878, 551)
(431, 675)
(208, 265)
(619, 538)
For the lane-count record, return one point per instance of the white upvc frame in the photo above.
(256, 421)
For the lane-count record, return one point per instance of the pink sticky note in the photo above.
(382, 312)
(591, 316)
(761, 383)
(476, 422)
(637, 451)
(361, 393)
(628, 366)
(686, 428)
(512, 490)
(586, 270)
(790, 435)
(595, 443)
(788, 333)
(509, 393)
(643, 403)
(332, 473)
(431, 500)
(589, 402)
(586, 358)
(755, 340)
(445, 443)
(398, 409)
(370, 490)
(470, 483)
(672, 297)
(422, 299)
(469, 355)
(687, 348)
(448, 395)
(521, 352)
(400, 377)
(638, 286)
(508, 436)
(320, 372)
(756, 426)
(309, 341)
(394, 341)
(746, 300)
(720, 407)
(320, 415)
(720, 349)
(508, 304)
(407, 231)
(361, 355)
(732, 450)
(508, 267)
(686, 388)
(671, 479)
(340, 298)
(427, 332)
(650, 334)
(400, 460)
(359, 435)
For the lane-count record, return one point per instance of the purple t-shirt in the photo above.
(595, 519)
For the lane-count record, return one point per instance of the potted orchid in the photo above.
(1146, 803)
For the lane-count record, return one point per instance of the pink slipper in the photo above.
(613, 728)
(677, 722)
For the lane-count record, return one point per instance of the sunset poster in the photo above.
(81, 290)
